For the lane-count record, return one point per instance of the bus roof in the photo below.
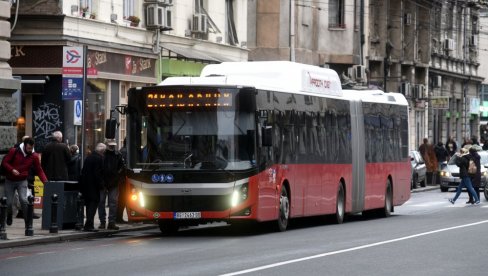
(267, 75)
(283, 76)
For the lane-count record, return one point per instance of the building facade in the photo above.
(8, 85)
(128, 43)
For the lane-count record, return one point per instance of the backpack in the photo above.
(472, 167)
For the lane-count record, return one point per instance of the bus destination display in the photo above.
(183, 99)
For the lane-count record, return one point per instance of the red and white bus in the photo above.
(263, 141)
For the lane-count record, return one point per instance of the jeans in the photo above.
(113, 195)
(466, 183)
(21, 188)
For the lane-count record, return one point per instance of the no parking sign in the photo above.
(77, 113)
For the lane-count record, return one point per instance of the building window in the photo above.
(336, 14)
(128, 8)
(86, 6)
(231, 26)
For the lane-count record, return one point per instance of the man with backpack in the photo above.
(462, 161)
(16, 165)
(474, 170)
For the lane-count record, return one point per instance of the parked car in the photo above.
(450, 173)
(418, 169)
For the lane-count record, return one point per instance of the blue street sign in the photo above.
(72, 88)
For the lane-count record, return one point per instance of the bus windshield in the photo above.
(195, 138)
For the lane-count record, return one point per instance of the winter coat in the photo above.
(428, 154)
(441, 153)
(462, 162)
(476, 178)
(91, 179)
(17, 159)
(113, 166)
(74, 167)
(55, 158)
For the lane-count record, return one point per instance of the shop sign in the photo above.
(439, 102)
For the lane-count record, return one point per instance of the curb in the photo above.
(71, 236)
(425, 189)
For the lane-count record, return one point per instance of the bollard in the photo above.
(3, 217)
(29, 230)
(54, 214)
(79, 212)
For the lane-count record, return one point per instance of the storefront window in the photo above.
(95, 113)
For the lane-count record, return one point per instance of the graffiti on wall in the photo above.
(47, 119)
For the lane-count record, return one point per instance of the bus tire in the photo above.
(388, 208)
(284, 209)
(168, 227)
(340, 205)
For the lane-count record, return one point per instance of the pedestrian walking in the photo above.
(55, 158)
(476, 177)
(113, 166)
(74, 165)
(462, 161)
(122, 200)
(431, 164)
(451, 146)
(91, 182)
(17, 164)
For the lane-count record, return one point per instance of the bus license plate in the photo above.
(187, 215)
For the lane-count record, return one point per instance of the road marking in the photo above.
(15, 257)
(77, 248)
(47, 252)
(259, 268)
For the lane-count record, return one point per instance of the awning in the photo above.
(191, 54)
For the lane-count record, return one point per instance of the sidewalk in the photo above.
(427, 188)
(16, 232)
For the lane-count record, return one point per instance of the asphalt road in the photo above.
(426, 236)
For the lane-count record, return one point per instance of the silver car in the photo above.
(450, 173)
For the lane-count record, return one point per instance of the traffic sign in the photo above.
(77, 113)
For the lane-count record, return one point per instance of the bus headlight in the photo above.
(141, 200)
(137, 196)
(239, 195)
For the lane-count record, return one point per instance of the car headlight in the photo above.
(484, 173)
(445, 173)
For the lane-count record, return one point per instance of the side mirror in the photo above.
(110, 128)
(267, 136)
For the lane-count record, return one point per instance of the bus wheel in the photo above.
(168, 227)
(284, 209)
(386, 212)
(340, 205)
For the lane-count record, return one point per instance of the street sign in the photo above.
(440, 102)
(77, 113)
(72, 84)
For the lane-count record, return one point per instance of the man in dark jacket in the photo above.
(17, 164)
(113, 166)
(475, 178)
(74, 165)
(91, 182)
(55, 158)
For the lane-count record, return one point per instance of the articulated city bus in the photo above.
(263, 141)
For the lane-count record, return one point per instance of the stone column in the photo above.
(8, 85)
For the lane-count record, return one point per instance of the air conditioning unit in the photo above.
(419, 91)
(359, 72)
(449, 44)
(408, 19)
(154, 16)
(405, 89)
(437, 82)
(199, 23)
(160, 2)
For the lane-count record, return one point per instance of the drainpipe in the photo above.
(292, 30)
(361, 33)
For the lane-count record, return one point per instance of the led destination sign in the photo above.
(188, 99)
